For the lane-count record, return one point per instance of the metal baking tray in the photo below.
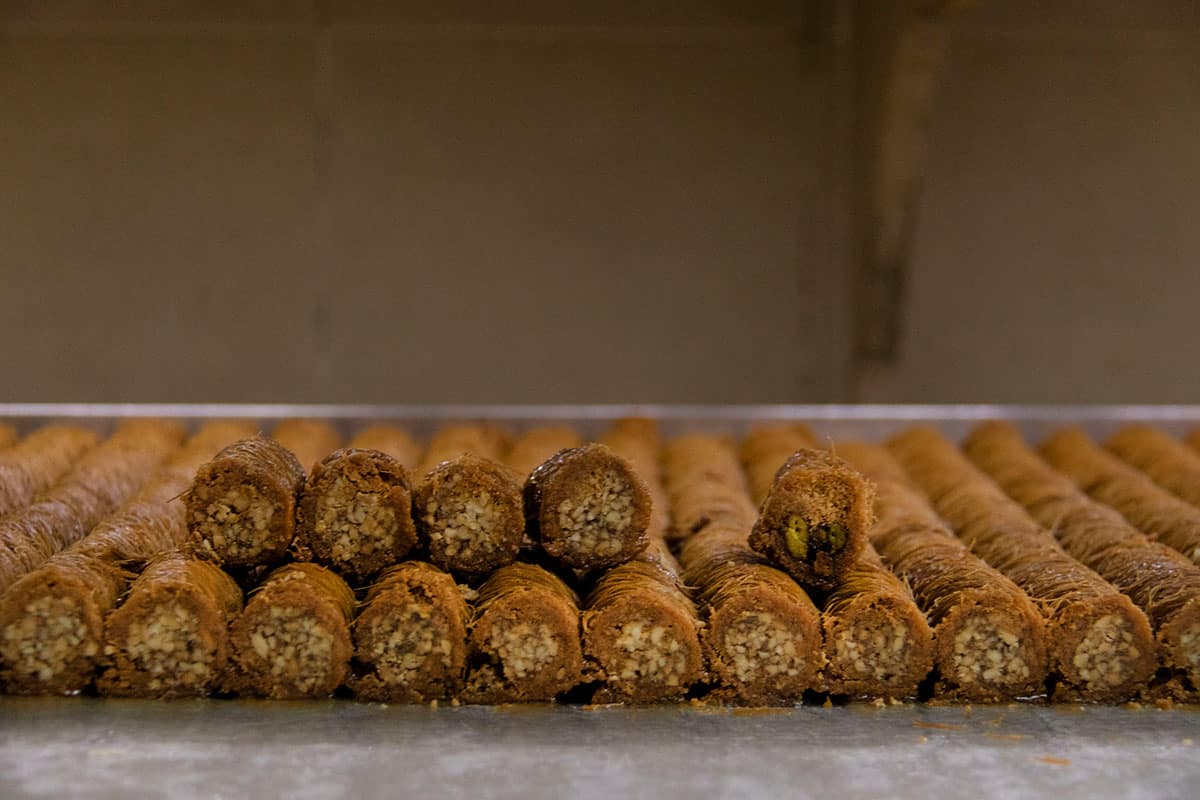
(86, 747)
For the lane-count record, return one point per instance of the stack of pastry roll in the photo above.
(1100, 645)
(1169, 463)
(32, 465)
(640, 627)
(989, 636)
(309, 440)
(762, 633)
(52, 620)
(1158, 579)
(468, 507)
(100, 481)
(1107, 479)
(813, 522)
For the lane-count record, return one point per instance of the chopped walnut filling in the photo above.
(403, 643)
(648, 651)
(759, 645)
(984, 652)
(595, 520)
(523, 648)
(357, 522)
(875, 652)
(234, 521)
(46, 637)
(166, 645)
(294, 647)
(1107, 652)
(460, 523)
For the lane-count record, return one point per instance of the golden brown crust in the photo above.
(309, 440)
(292, 640)
(762, 634)
(1169, 462)
(814, 519)
(766, 448)
(1159, 580)
(397, 442)
(169, 637)
(587, 508)
(410, 640)
(1100, 644)
(1148, 507)
(241, 507)
(469, 515)
(525, 644)
(355, 513)
(103, 479)
(877, 641)
(31, 466)
(8, 434)
(538, 444)
(989, 637)
(454, 439)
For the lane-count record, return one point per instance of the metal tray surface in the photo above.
(87, 747)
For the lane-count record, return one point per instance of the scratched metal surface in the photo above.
(89, 748)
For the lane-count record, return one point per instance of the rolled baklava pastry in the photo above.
(1159, 580)
(814, 519)
(1148, 507)
(397, 442)
(355, 513)
(641, 631)
(292, 640)
(536, 445)
(32, 465)
(454, 439)
(1167, 461)
(309, 440)
(241, 507)
(762, 633)
(8, 435)
(1100, 645)
(51, 621)
(989, 637)
(587, 508)
(169, 638)
(410, 639)
(765, 449)
(524, 645)
(469, 515)
(877, 642)
(103, 479)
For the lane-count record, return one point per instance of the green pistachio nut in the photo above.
(796, 536)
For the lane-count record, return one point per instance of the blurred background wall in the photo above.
(559, 202)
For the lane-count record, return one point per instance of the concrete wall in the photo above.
(373, 202)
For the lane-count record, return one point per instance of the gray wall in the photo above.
(349, 202)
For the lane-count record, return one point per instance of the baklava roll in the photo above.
(765, 449)
(877, 642)
(1158, 579)
(1100, 644)
(641, 631)
(8, 435)
(814, 519)
(989, 637)
(1148, 507)
(587, 508)
(51, 620)
(524, 645)
(397, 442)
(1169, 462)
(32, 465)
(536, 445)
(469, 515)
(410, 639)
(241, 507)
(454, 439)
(103, 479)
(355, 513)
(762, 633)
(292, 640)
(169, 638)
(309, 440)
